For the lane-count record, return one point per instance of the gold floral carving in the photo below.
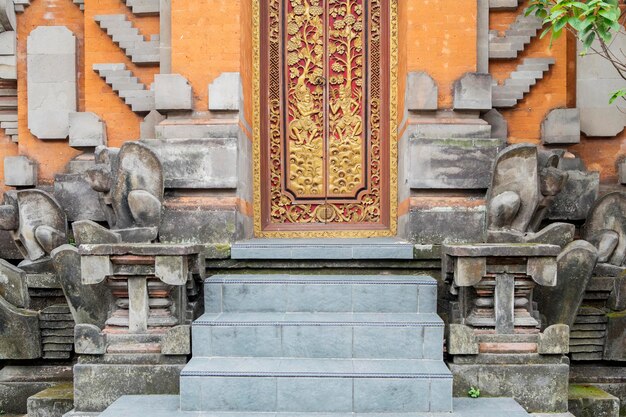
(324, 162)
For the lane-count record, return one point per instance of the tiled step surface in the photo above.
(168, 406)
(319, 335)
(321, 293)
(315, 385)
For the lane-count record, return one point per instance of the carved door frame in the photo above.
(387, 224)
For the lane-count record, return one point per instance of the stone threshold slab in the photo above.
(168, 406)
(371, 248)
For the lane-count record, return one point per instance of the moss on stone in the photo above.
(63, 391)
(586, 391)
(616, 314)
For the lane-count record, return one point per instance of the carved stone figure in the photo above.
(519, 198)
(130, 183)
(38, 225)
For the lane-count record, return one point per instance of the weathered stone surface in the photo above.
(177, 341)
(596, 82)
(515, 171)
(88, 232)
(148, 249)
(591, 401)
(444, 225)
(225, 92)
(96, 386)
(499, 125)
(89, 340)
(17, 383)
(19, 332)
(609, 214)
(560, 304)
(19, 171)
(461, 340)
(13, 285)
(421, 92)
(554, 340)
(561, 126)
(52, 402)
(615, 347)
(197, 163)
(95, 269)
(199, 224)
(576, 197)
(537, 387)
(504, 207)
(501, 250)
(86, 130)
(172, 92)
(77, 198)
(148, 125)
(89, 304)
(473, 92)
(42, 225)
(52, 89)
(451, 163)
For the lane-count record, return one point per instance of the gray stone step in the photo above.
(378, 248)
(169, 406)
(321, 293)
(319, 335)
(189, 129)
(143, 6)
(315, 385)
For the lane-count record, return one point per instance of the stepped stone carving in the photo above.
(516, 37)
(143, 7)
(127, 87)
(127, 37)
(520, 82)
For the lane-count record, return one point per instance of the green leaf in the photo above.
(616, 95)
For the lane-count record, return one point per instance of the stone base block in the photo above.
(52, 402)
(200, 223)
(96, 386)
(18, 383)
(436, 225)
(539, 388)
(590, 401)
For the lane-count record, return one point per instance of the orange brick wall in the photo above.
(122, 122)
(51, 156)
(441, 40)
(205, 42)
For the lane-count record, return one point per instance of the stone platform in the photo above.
(327, 249)
(168, 406)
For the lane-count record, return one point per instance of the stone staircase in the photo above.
(515, 38)
(128, 38)
(127, 87)
(140, 7)
(80, 4)
(8, 112)
(300, 345)
(520, 81)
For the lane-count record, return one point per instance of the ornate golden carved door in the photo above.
(327, 140)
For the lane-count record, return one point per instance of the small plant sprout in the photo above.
(473, 392)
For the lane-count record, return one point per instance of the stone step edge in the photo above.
(354, 375)
(318, 281)
(315, 324)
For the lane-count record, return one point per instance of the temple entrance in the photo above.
(327, 118)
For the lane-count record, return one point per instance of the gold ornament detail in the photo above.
(324, 137)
